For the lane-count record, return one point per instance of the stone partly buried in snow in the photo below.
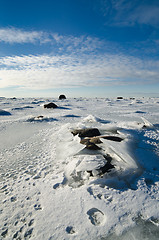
(95, 140)
(91, 136)
(91, 143)
(113, 138)
(87, 132)
(92, 146)
(50, 105)
(62, 96)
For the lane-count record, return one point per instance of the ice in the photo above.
(53, 187)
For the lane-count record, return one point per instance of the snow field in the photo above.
(47, 190)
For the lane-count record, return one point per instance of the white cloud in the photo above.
(14, 35)
(58, 43)
(46, 71)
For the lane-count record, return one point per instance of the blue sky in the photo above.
(91, 48)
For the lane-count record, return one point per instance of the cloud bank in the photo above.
(61, 42)
(73, 62)
(47, 71)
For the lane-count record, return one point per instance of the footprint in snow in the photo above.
(96, 216)
(37, 207)
(70, 230)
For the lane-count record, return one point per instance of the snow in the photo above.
(54, 187)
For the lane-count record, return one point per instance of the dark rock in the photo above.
(62, 97)
(50, 105)
(119, 98)
(95, 140)
(113, 138)
(92, 146)
(85, 141)
(88, 132)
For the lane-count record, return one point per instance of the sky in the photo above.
(80, 48)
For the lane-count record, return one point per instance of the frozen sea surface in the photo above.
(54, 187)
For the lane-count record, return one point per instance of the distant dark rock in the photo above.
(50, 105)
(62, 97)
(119, 98)
(88, 132)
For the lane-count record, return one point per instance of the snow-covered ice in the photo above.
(57, 185)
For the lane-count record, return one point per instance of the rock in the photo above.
(62, 97)
(95, 140)
(119, 97)
(88, 132)
(50, 105)
(89, 144)
(113, 138)
(92, 146)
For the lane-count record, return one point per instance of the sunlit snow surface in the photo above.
(47, 191)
